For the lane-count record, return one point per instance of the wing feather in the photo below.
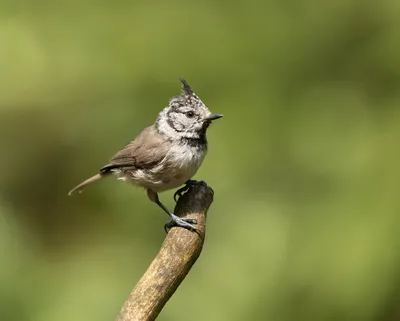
(145, 151)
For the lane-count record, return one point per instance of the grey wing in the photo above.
(146, 151)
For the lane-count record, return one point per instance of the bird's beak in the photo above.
(213, 117)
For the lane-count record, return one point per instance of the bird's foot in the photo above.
(183, 189)
(187, 223)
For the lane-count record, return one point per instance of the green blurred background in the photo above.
(305, 164)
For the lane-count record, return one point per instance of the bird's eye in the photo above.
(190, 114)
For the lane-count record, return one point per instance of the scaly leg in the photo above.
(186, 223)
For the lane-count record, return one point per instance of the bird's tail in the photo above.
(90, 180)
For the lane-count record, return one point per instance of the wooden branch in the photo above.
(179, 252)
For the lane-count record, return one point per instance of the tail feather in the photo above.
(90, 180)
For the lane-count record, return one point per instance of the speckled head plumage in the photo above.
(185, 117)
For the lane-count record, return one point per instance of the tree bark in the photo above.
(178, 253)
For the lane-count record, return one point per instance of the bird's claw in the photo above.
(183, 189)
(188, 185)
(187, 223)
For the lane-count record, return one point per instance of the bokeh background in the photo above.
(305, 164)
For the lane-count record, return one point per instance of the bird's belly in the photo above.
(165, 179)
(170, 183)
(168, 174)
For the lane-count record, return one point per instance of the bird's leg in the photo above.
(183, 189)
(186, 223)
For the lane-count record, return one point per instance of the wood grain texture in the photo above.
(178, 253)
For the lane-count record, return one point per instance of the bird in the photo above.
(165, 155)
